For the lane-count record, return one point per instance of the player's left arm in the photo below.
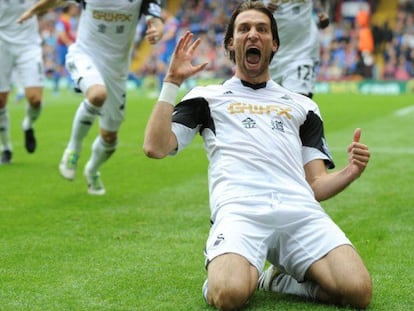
(159, 139)
(326, 185)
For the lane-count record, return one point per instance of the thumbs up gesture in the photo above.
(358, 155)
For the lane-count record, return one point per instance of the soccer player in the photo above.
(66, 34)
(99, 62)
(20, 52)
(268, 163)
(298, 56)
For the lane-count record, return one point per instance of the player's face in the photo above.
(253, 45)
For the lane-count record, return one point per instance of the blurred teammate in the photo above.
(20, 51)
(298, 55)
(268, 163)
(99, 62)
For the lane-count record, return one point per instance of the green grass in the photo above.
(140, 247)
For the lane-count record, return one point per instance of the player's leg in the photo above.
(105, 144)
(33, 110)
(275, 280)
(29, 66)
(231, 281)
(102, 149)
(6, 68)
(236, 250)
(343, 278)
(314, 259)
(5, 144)
(91, 83)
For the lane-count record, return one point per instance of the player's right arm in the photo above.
(159, 140)
(38, 8)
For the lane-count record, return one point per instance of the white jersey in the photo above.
(11, 32)
(298, 32)
(258, 138)
(106, 31)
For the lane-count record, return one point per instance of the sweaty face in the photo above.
(253, 45)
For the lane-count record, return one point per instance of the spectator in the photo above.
(66, 35)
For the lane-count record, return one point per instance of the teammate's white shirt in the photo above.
(295, 62)
(11, 32)
(298, 32)
(257, 140)
(106, 32)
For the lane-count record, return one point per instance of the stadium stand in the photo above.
(391, 24)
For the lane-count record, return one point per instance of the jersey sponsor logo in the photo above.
(260, 109)
(111, 17)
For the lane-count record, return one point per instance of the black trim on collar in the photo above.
(254, 86)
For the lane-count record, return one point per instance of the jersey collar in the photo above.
(254, 86)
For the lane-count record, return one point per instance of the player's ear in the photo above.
(230, 46)
(275, 47)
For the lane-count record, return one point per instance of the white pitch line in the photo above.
(404, 111)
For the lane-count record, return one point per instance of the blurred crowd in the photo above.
(390, 55)
(347, 52)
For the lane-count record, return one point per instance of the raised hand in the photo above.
(358, 155)
(155, 29)
(181, 66)
(323, 20)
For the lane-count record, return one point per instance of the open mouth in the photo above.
(253, 55)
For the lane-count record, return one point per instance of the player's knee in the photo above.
(356, 292)
(97, 95)
(34, 99)
(109, 137)
(229, 297)
(361, 294)
(3, 100)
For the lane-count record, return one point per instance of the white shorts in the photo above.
(291, 234)
(27, 63)
(85, 72)
(298, 77)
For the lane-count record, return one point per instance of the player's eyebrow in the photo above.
(258, 24)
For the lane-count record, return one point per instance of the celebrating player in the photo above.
(267, 172)
(20, 51)
(98, 62)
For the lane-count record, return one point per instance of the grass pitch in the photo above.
(140, 247)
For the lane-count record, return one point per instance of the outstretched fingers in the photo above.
(181, 66)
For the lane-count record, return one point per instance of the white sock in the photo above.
(32, 114)
(101, 152)
(286, 284)
(82, 123)
(5, 129)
